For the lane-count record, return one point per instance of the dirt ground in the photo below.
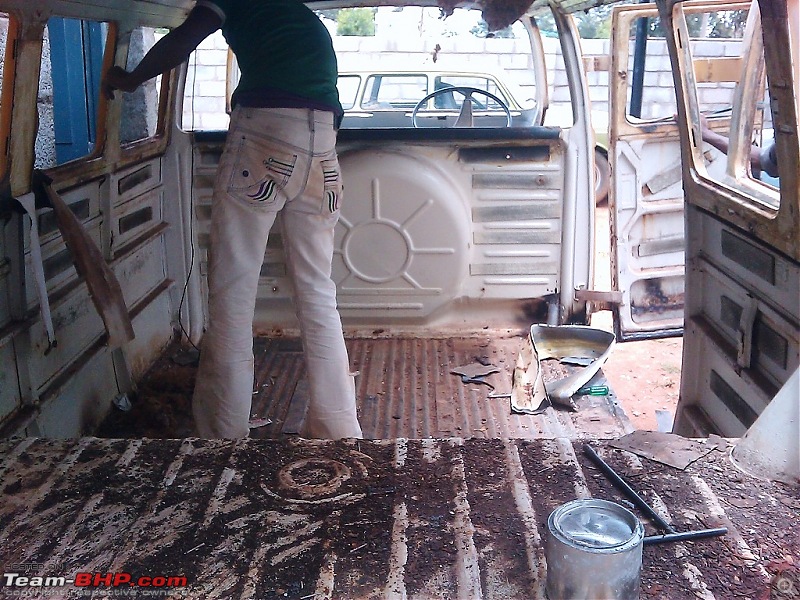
(645, 375)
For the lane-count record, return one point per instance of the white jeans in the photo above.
(274, 159)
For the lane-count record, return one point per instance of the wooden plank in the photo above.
(718, 70)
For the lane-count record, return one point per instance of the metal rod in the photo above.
(639, 58)
(629, 491)
(686, 535)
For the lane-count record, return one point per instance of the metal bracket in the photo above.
(602, 300)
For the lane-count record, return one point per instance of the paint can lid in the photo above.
(596, 525)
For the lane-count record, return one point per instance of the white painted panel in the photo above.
(135, 181)
(136, 217)
(153, 327)
(402, 238)
(141, 271)
(77, 325)
(58, 262)
(516, 229)
(648, 231)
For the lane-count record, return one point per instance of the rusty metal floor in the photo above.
(405, 388)
(371, 519)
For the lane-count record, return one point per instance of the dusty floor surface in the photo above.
(357, 519)
(405, 388)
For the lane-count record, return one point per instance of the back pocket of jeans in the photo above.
(260, 171)
(332, 185)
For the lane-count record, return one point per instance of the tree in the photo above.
(595, 23)
(482, 30)
(355, 21)
(721, 24)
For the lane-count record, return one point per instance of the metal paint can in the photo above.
(593, 551)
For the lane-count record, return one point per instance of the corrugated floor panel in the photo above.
(405, 389)
(414, 519)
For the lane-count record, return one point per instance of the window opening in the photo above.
(140, 108)
(388, 64)
(69, 90)
(718, 79)
(348, 90)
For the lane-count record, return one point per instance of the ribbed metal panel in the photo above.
(413, 519)
(405, 388)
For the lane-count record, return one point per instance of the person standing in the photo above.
(279, 156)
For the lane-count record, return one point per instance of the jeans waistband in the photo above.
(324, 117)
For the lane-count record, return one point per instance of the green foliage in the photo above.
(482, 30)
(355, 21)
(547, 25)
(595, 23)
(723, 24)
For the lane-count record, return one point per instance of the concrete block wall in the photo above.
(204, 107)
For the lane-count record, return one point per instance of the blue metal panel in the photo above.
(76, 56)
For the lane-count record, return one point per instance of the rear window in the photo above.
(388, 59)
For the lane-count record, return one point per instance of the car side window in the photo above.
(394, 91)
(348, 90)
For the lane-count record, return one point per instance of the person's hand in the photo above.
(117, 78)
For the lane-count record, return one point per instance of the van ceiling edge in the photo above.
(159, 13)
(498, 14)
(571, 6)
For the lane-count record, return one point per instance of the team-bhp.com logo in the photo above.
(21, 581)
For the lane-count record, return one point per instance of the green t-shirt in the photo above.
(280, 45)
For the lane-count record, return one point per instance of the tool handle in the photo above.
(593, 390)
(686, 535)
(629, 491)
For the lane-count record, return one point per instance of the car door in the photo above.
(742, 332)
(647, 197)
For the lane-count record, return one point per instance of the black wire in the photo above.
(186, 283)
(191, 228)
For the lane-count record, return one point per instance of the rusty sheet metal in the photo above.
(438, 518)
(667, 448)
(405, 388)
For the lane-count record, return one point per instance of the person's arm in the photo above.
(169, 52)
(721, 143)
